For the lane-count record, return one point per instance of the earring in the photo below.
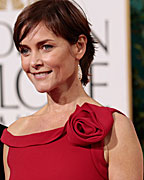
(79, 73)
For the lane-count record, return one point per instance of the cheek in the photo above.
(25, 65)
(52, 60)
(57, 57)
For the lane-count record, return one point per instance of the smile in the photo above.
(41, 75)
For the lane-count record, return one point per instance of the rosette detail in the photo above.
(89, 124)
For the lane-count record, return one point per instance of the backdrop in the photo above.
(111, 74)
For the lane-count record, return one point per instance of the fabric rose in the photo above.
(89, 124)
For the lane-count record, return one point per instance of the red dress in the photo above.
(72, 152)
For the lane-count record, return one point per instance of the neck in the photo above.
(66, 97)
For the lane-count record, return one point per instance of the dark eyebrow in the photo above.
(38, 43)
(44, 41)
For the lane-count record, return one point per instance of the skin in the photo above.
(42, 51)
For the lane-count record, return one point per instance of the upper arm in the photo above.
(125, 154)
(6, 167)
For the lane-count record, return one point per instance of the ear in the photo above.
(80, 46)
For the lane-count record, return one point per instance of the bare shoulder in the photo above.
(123, 125)
(125, 154)
(124, 131)
(19, 125)
(24, 125)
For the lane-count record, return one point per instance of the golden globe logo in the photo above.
(15, 4)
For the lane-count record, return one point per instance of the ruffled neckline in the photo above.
(88, 124)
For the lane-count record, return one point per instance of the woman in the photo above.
(72, 137)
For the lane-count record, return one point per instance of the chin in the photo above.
(41, 89)
(47, 88)
(44, 89)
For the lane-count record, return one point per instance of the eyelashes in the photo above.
(47, 47)
(25, 51)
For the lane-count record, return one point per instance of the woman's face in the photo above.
(49, 61)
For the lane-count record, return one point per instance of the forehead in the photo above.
(37, 33)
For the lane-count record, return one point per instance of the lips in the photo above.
(41, 75)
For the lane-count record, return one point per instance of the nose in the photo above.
(36, 60)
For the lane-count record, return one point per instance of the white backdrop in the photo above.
(111, 79)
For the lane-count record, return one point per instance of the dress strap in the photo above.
(112, 110)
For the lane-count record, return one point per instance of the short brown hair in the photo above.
(64, 19)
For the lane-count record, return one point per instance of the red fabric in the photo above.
(72, 152)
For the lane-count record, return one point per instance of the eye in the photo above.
(24, 51)
(47, 47)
